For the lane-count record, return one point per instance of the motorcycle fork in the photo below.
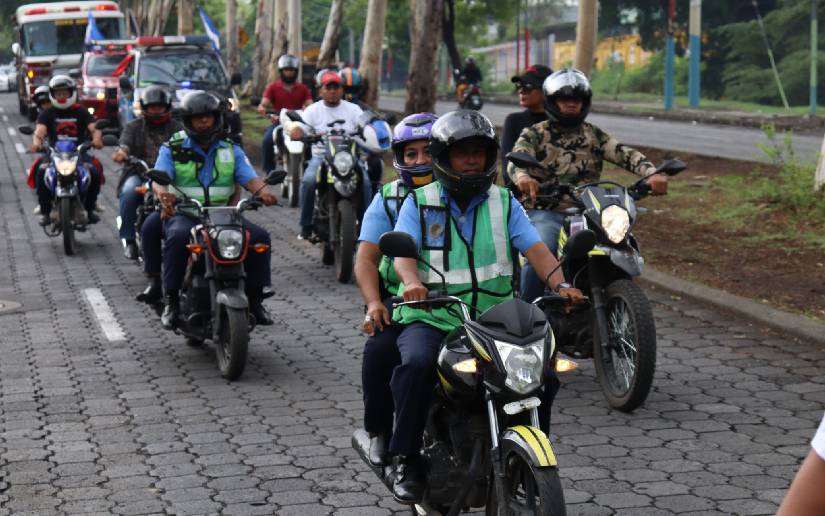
(598, 302)
(495, 451)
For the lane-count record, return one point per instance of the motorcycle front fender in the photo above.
(535, 444)
(66, 191)
(232, 298)
(627, 259)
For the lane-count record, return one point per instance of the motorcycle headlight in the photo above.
(343, 162)
(230, 243)
(523, 365)
(65, 167)
(616, 223)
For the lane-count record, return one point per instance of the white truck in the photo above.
(49, 39)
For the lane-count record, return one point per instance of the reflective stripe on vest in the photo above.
(223, 174)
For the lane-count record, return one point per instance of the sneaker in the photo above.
(306, 233)
(99, 207)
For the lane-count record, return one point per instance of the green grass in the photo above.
(643, 101)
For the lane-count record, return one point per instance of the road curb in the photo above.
(781, 320)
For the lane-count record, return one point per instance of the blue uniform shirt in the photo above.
(523, 234)
(244, 172)
(376, 222)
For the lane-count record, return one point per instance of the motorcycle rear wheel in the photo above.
(344, 244)
(529, 490)
(67, 225)
(627, 375)
(232, 346)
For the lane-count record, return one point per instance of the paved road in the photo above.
(145, 425)
(707, 139)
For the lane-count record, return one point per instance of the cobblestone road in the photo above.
(146, 425)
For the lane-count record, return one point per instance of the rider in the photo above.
(377, 279)
(285, 93)
(574, 151)
(318, 116)
(67, 120)
(42, 101)
(470, 74)
(141, 138)
(465, 220)
(200, 160)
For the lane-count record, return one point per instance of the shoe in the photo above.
(262, 317)
(99, 207)
(43, 220)
(130, 250)
(267, 292)
(306, 233)
(152, 293)
(379, 449)
(93, 217)
(410, 480)
(169, 317)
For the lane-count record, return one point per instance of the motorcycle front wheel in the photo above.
(626, 374)
(344, 245)
(67, 225)
(527, 489)
(231, 348)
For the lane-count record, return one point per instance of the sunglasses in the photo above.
(526, 88)
(332, 86)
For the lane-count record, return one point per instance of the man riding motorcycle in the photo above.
(285, 93)
(142, 139)
(67, 120)
(206, 166)
(470, 74)
(377, 279)
(466, 226)
(42, 101)
(575, 150)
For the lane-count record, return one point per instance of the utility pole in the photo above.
(814, 52)
(586, 35)
(669, 56)
(294, 38)
(695, 52)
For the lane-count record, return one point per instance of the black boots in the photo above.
(410, 479)
(379, 449)
(152, 293)
(257, 309)
(169, 317)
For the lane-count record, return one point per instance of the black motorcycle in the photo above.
(482, 442)
(213, 303)
(617, 326)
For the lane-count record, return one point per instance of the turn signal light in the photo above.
(564, 365)
(142, 189)
(466, 366)
(194, 248)
(260, 248)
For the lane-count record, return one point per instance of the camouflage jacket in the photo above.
(575, 155)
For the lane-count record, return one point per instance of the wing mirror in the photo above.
(579, 244)
(397, 244)
(672, 167)
(110, 140)
(523, 160)
(159, 177)
(275, 177)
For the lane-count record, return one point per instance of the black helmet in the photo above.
(41, 95)
(201, 103)
(469, 61)
(569, 83)
(154, 95)
(455, 127)
(63, 82)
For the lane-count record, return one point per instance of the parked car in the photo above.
(8, 79)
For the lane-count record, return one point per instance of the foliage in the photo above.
(647, 79)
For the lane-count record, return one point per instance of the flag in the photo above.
(92, 32)
(211, 30)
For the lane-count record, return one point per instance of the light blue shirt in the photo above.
(376, 221)
(523, 234)
(244, 172)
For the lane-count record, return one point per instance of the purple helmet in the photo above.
(413, 127)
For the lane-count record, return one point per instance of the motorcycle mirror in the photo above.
(295, 116)
(523, 160)
(235, 79)
(102, 124)
(397, 244)
(74, 73)
(159, 177)
(25, 129)
(254, 100)
(672, 167)
(581, 243)
(110, 140)
(275, 177)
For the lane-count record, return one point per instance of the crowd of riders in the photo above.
(445, 195)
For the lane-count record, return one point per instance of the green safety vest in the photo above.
(396, 191)
(188, 163)
(480, 272)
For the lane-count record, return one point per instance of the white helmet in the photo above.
(63, 82)
(374, 133)
(287, 61)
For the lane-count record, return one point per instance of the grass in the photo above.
(710, 104)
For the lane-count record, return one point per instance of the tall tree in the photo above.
(448, 32)
(280, 33)
(586, 35)
(263, 42)
(186, 17)
(371, 49)
(295, 37)
(157, 16)
(329, 45)
(423, 71)
(232, 50)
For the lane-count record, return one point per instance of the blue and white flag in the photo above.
(92, 32)
(211, 30)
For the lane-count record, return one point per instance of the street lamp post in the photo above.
(695, 51)
(669, 56)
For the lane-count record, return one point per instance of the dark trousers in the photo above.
(381, 356)
(151, 242)
(45, 196)
(268, 150)
(176, 231)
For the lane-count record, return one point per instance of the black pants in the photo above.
(381, 356)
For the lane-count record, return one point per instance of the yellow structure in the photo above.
(622, 49)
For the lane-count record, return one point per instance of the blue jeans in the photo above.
(129, 201)
(308, 191)
(548, 224)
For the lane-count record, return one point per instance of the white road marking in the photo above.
(19, 148)
(2, 109)
(5, 118)
(111, 328)
(11, 131)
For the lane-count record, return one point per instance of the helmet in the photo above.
(411, 128)
(569, 83)
(156, 95)
(470, 60)
(458, 126)
(373, 132)
(63, 82)
(325, 75)
(200, 103)
(288, 61)
(351, 80)
(41, 94)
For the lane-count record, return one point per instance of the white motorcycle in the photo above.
(292, 154)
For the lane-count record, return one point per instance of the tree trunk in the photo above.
(157, 16)
(449, 34)
(586, 35)
(263, 42)
(422, 81)
(296, 44)
(280, 33)
(232, 51)
(371, 49)
(329, 45)
(186, 17)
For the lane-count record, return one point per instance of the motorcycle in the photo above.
(213, 304)
(293, 154)
(482, 443)
(469, 94)
(616, 328)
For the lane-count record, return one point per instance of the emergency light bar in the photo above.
(152, 41)
(69, 9)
